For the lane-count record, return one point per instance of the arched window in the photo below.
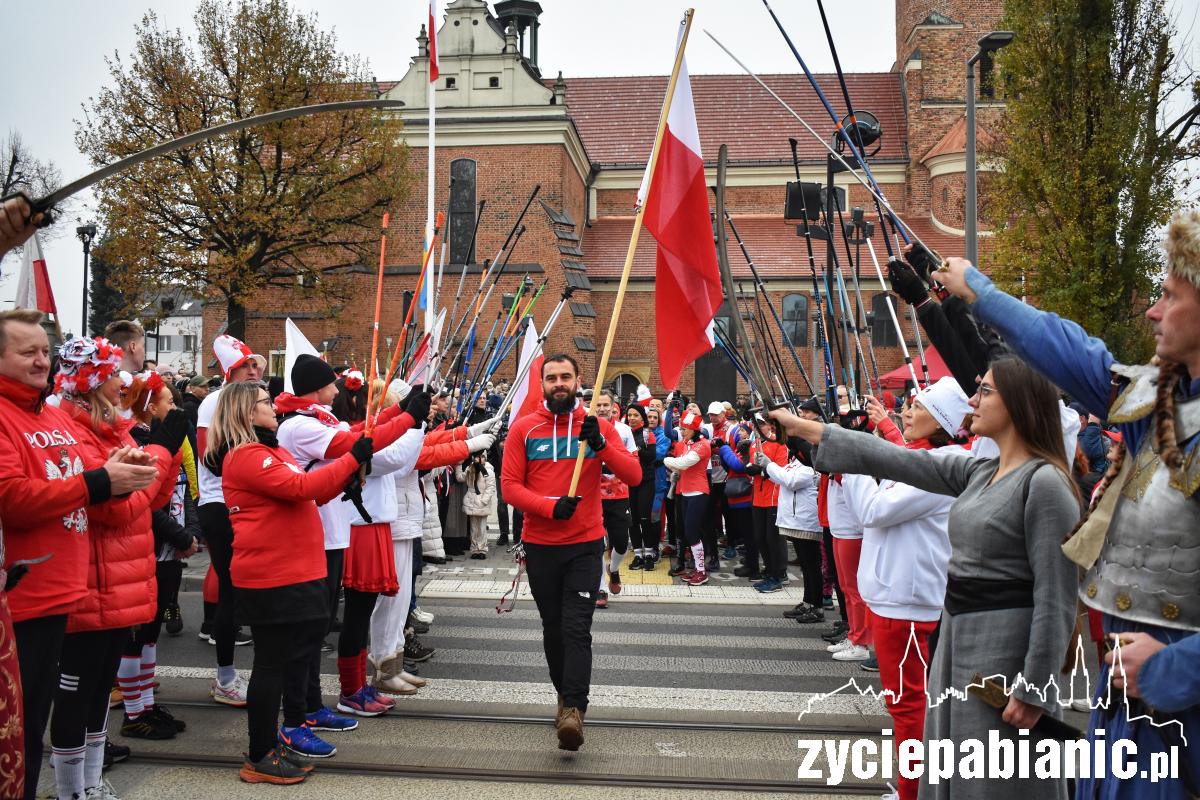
(883, 332)
(462, 211)
(795, 318)
(625, 385)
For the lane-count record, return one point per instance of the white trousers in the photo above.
(387, 621)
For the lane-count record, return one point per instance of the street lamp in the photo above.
(989, 44)
(86, 234)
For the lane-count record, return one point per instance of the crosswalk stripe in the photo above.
(654, 640)
(613, 615)
(824, 668)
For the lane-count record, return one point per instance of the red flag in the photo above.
(33, 285)
(526, 396)
(687, 280)
(433, 54)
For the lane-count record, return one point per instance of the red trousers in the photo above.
(846, 553)
(12, 728)
(902, 647)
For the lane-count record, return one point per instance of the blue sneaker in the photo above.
(730, 553)
(768, 585)
(326, 720)
(303, 741)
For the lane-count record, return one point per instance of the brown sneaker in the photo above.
(558, 714)
(570, 729)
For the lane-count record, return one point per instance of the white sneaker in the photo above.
(102, 792)
(394, 685)
(232, 695)
(839, 647)
(852, 653)
(424, 616)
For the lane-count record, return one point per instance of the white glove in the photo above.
(760, 458)
(489, 425)
(671, 463)
(483, 441)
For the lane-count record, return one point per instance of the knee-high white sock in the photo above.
(129, 679)
(698, 556)
(68, 771)
(93, 762)
(148, 665)
(615, 559)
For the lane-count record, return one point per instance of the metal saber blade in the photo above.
(892, 311)
(853, 172)
(48, 202)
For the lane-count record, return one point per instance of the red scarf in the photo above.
(291, 404)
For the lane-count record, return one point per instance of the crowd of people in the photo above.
(937, 519)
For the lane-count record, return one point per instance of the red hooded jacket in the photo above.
(539, 460)
(44, 496)
(121, 587)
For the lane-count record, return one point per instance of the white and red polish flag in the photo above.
(687, 280)
(433, 54)
(33, 284)
(528, 394)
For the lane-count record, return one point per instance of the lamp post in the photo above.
(988, 44)
(86, 234)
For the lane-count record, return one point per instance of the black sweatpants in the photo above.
(89, 666)
(771, 545)
(809, 554)
(333, 584)
(283, 656)
(617, 522)
(562, 579)
(742, 520)
(356, 622)
(643, 533)
(39, 649)
(218, 535)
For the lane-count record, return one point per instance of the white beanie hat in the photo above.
(716, 407)
(946, 403)
(399, 388)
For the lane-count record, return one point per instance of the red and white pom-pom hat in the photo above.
(643, 395)
(354, 379)
(691, 421)
(85, 364)
(232, 352)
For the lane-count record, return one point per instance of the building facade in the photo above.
(505, 126)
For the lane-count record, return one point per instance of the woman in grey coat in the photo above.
(1010, 600)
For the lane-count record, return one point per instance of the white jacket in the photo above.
(798, 486)
(410, 505)
(905, 549)
(843, 522)
(379, 491)
(431, 525)
(307, 439)
(482, 501)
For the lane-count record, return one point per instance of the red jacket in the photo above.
(539, 459)
(694, 478)
(766, 491)
(443, 447)
(121, 587)
(43, 501)
(277, 535)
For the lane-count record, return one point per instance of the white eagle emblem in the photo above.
(66, 468)
(268, 461)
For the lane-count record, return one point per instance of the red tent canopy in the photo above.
(897, 377)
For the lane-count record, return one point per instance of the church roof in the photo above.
(616, 117)
(777, 251)
(955, 141)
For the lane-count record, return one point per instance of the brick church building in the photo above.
(504, 125)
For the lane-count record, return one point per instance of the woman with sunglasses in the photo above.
(1010, 598)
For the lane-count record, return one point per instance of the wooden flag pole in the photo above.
(375, 331)
(637, 229)
(441, 218)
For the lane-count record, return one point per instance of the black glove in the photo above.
(922, 260)
(743, 448)
(362, 450)
(754, 470)
(590, 432)
(674, 407)
(417, 405)
(14, 576)
(353, 494)
(905, 282)
(564, 507)
(170, 433)
(718, 443)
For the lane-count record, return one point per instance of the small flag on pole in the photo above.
(527, 395)
(433, 54)
(687, 290)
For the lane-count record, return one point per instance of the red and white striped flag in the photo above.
(433, 55)
(33, 285)
(528, 394)
(687, 280)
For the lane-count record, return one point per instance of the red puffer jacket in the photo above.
(122, 590)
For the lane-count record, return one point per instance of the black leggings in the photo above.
(356, 622)
(39, 647)
(86, 673)
(809, 553)
(742, 521)
(283, 654)
(642, 532)
(218, 535)
(770, 544)
(169, 574)
(615, 515)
